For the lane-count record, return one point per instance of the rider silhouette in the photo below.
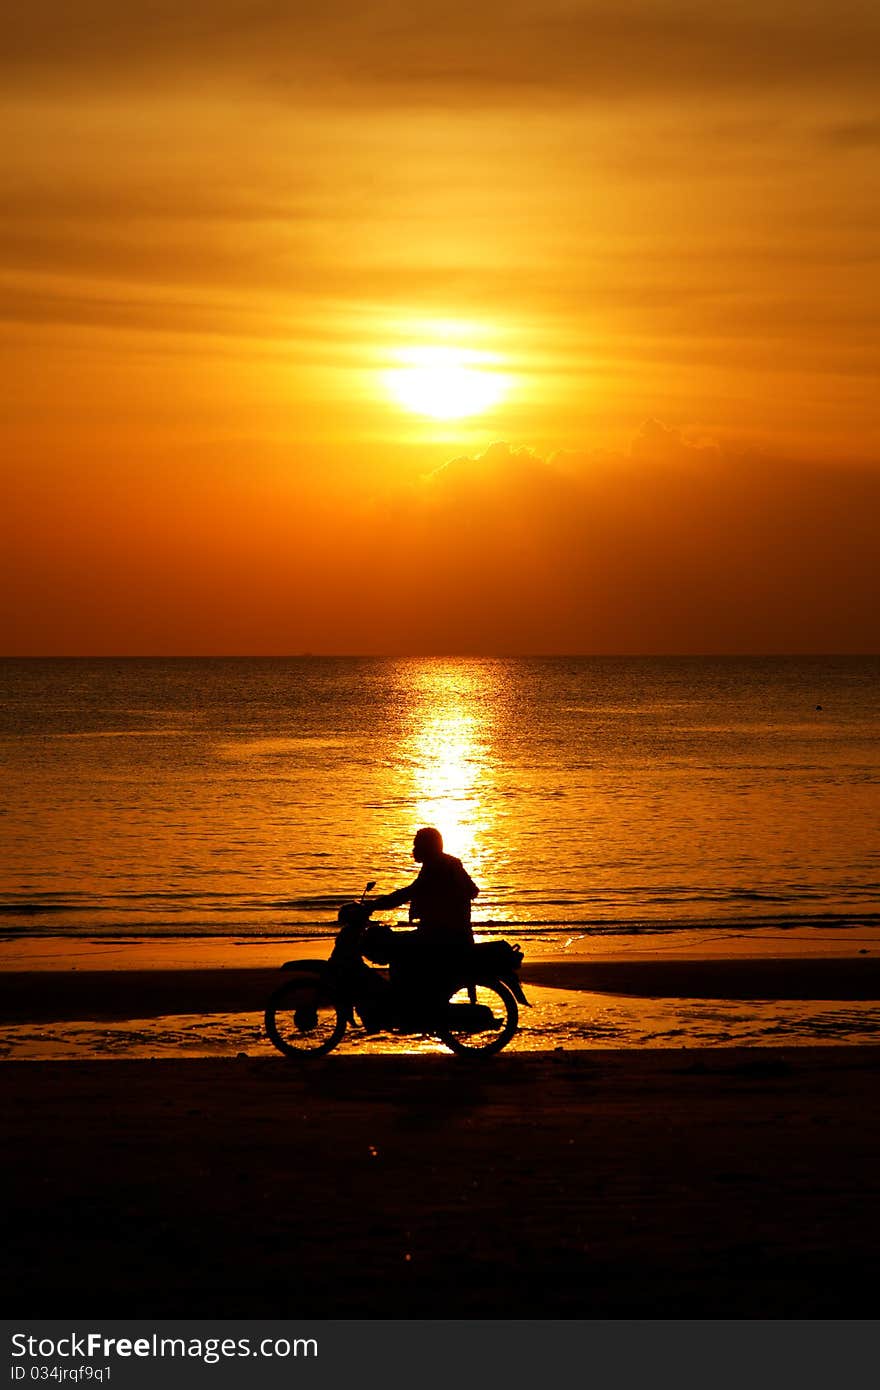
(439, 898)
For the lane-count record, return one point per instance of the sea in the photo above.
(251, 797)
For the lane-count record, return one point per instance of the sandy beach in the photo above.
(178, 1166)
(660, 1184)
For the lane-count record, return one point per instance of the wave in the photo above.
(569, 927)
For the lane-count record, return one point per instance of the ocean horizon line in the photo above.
(447, 656)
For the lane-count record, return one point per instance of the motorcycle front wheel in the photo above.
(302, 1017)
(479, 1019)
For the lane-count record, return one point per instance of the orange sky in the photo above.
(226, 228)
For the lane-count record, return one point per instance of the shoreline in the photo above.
(575, 1003)
(124, 951)
(51, 995)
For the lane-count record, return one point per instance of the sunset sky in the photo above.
(521, 327)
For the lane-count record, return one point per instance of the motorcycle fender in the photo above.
(514, 985)
(303, 965)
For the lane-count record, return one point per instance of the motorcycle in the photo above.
(470, 1003)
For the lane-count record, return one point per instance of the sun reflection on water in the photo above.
(450, 756)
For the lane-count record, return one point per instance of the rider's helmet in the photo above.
(428, 844)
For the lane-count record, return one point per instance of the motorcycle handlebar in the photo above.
(357, 911)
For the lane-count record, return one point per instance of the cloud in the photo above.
(853, 135)
(678, 545)
(452, 50)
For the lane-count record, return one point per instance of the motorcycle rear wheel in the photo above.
(459, 1033)
(302, 1017)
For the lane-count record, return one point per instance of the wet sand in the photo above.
(119, 993)
(723, 1183)
(206, 999)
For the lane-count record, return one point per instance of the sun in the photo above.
(446, 383)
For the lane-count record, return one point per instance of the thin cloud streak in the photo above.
(451, 52)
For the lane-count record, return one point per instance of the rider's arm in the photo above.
(403, 895)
